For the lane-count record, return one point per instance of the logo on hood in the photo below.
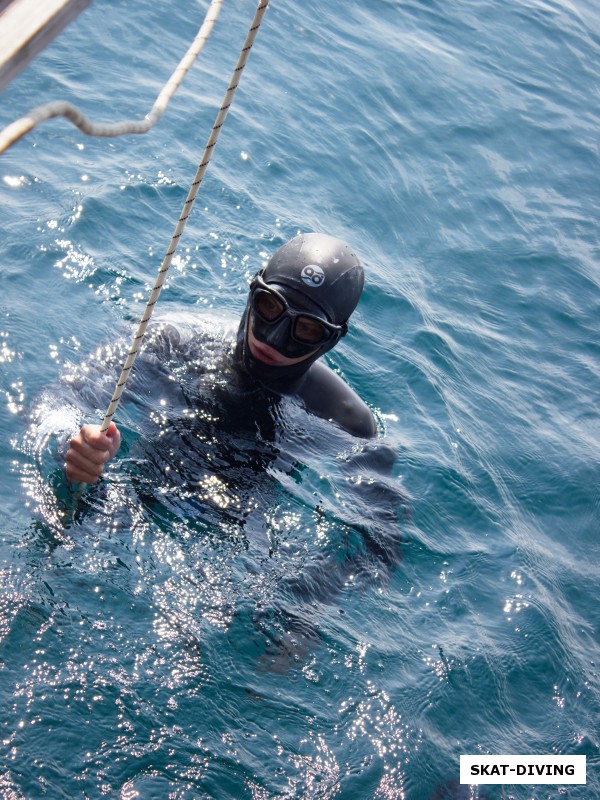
(312, 275)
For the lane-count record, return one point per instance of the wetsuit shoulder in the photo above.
(326, 395)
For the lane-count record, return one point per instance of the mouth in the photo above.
(265, 354)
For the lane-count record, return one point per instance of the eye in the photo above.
(268, 306)
(309, 330)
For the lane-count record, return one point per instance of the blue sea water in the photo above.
(319, 617)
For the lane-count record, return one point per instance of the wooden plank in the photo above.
(27, 26)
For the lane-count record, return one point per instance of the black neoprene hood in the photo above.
(316, 273)
(323, 269)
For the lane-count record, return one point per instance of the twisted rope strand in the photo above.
(16, 130)
(185, 212)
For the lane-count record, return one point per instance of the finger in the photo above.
(80, 476)
(89, 452)
(79, 468)
(82, 462)
(92, 435)
(112, 430)
(76, 476)
(115, 439)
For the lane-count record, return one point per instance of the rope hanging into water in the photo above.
(185, 212)
(16, 130)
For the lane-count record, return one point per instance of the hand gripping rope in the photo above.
(185, 212)
(16, 130)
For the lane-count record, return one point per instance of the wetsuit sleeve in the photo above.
(326, 395)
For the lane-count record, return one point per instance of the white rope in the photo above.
(16, 130)
(185, 212)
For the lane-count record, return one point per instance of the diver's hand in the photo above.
(89, 451)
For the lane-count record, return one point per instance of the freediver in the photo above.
(297, 310)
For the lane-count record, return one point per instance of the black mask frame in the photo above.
(313, 323)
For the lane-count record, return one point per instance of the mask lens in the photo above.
(267, 305)
(309, 331)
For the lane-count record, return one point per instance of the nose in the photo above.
(278, 334)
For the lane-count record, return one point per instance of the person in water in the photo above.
(297, 310)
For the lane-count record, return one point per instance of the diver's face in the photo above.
(268, 355)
